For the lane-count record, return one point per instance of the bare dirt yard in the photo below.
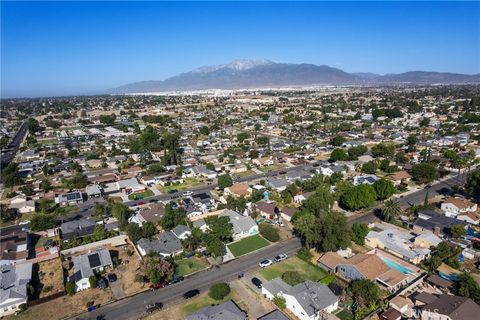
(50, 275)
(127, 269)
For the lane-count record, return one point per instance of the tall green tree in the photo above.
(384, 189)
(391, 210)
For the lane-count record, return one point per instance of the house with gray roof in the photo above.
(93, 191)
(278, 184)
(87, 265)
(77, 228)
(69, 198)
(166, 245)
(242, 226)
(306, 300)
(225, 311)
(181, 231)
(13, 286)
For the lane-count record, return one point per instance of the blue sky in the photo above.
(63, 48)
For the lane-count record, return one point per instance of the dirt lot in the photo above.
(66, 306)
(50, 274)
(127, 270)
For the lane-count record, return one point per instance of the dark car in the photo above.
(102, 284)
(112, 277)
(173, 191)
(177, 279)
(191, 293)
(257, 282)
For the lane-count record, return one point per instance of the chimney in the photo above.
(436, 230)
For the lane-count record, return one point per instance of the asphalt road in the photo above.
(440, 188)
(134, 307)
(9, 153)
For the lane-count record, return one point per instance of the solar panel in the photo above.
(94, 260)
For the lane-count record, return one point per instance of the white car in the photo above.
(187, 193)
(265, 263)
(281, 257)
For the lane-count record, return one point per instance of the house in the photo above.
(390, 314)
(153, 213)
(200, 171)
(238, 190)
(327, 170)
(243, 226)
(200, 224)
(453, 206)
(87, 265)
(77, 229)
(93, 191)
(401, 304)
(130, 186)
(69, 198)
(432, 221)
(469, 217)
(305, 300)
(274, 315)
(399, 177)
(263, 161)
(13, 246)
(287, 213)
(450, 307)
(278, 184)
(427, 240)
(364, 266)
(365, 179)
(21, 205)
(181, 231)
(149, 180)
(225, 311)
(398, 243)
(267, 210)
(166, 245)
(299, 198)
(14, 279)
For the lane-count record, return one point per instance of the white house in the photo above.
(13, 290)
(86, 265)
(243, 226)
(307, 300)
(454, 206)
(21, 204)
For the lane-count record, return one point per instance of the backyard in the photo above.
(305, 269)
(190, 265)
(247, 245)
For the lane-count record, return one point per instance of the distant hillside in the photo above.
(244, 74)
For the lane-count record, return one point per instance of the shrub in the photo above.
(269, 232)
(140, 278)
(280, 302)
(218, 291)
(292, 278)
(70, 288)
(22, 307)
(93, 281)
(304, 254)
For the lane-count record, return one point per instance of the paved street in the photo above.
(9, 153)
(134, 307)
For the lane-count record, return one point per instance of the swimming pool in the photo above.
(396, 266)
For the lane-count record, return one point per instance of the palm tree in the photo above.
(391, 210)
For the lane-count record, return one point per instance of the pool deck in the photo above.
(416, 270)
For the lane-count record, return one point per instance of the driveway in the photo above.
(257, 305)
(117, 290)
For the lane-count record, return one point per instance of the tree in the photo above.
(225, 181)
(338, 155)
(424, 172)
(332, 232)
(386, 150)
(70, 288)
(121, 213)
(157, 269)
(357, 151)
(458, 230)
(218, 291)
(216, 247)
(269, 232)
(279, 301)
(10, 176)
(173, 217)
(384, 189)
(369, 167)
(133, 231)
(292, 278)
(473, 183)
(359, 197)
(108, 119)
(220, 227)
(304, 223)
(469, 287)
(321, 201)
(359, 232)
(337, 141)
(210, 166)
(40, 222)
(7, 214)
(365, 291)
(391, 210)
(93, 281)
(148, 229)
(242, 136)
(33, 125)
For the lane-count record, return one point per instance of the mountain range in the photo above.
(245, 74)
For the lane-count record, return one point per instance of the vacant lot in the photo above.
(50, 276)
(247, 245)
(127, 269)
(305, 269)
(190, 265)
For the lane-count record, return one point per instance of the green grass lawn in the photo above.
(273, 167)
(187, 184)
(193, 264)
(201, 302)
(141, 195)
(246, 173)
(345, 315)
(305, 269)
(247, 245)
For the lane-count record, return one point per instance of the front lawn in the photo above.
(247, 245)
(193, 264)
(305, 269)
(137, 196)
(188, 183)
(200, 302)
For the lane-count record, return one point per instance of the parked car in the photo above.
(156, 286)
(112, 277)
(191, 293)
(172, 191)
(141, 203)
(177, 279)
(102, 284)
(265, 263)
(257, 282)
(281, 257)
(187, 193)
